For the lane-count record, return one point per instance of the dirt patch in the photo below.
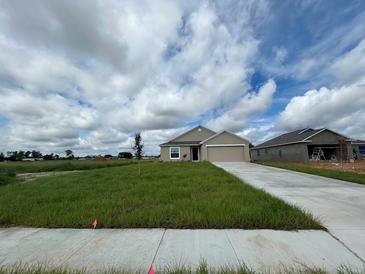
(357, 166)
(32, 176)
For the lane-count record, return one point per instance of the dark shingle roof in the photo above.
(357, 141)
(296, 136)
(180, 143)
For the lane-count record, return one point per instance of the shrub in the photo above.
(7, 178)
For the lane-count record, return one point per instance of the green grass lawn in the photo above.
(171, 195)
(335, 174)
(58, 165)
(8, 170)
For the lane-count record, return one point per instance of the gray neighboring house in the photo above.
(201, 143)
(309, 144)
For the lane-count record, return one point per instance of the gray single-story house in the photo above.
(201, 143)
(309, 144)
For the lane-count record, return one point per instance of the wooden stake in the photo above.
(139, 168)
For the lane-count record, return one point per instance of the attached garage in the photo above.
(225, 153)
(225, 147)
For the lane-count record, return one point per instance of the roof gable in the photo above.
(198, 133)
(321, 130)
(224, 132)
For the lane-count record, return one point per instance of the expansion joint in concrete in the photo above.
(234, 250)
(349, 249)
(78, 249)
(158, 247)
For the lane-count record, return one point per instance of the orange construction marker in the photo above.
(94, 223)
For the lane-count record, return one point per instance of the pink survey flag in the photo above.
(94, 223)
(152, 270)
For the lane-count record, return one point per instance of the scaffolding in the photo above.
(326, 153)
(317, 154)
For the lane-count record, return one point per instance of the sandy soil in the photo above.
(32, 176)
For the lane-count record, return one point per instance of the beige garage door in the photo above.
(225, 154)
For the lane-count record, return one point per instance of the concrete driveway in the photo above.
(339, 205)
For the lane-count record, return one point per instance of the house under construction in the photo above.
(310, 144)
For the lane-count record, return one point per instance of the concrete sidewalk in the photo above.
(137, 249)
(339, 205)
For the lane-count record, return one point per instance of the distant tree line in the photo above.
(20, 155)
(37, 155)
(34, 154)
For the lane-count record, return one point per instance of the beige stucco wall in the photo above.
(195, 135)
(226, 138)
(165, 154)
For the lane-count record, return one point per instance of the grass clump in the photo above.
(334, 174)
(7, 177)
(42, 269)
(165, 195)
(201, 269)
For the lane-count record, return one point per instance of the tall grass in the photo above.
(59, 165)
(169, 195)
(7, 177)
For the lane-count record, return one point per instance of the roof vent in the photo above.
(199, 129)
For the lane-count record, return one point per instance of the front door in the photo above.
(195, 152)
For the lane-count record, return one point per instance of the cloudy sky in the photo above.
(86, 75)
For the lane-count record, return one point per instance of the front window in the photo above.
(174, 153)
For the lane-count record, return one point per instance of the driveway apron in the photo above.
(339, 205)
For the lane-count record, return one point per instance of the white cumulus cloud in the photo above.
(341, 109)
(236, 116)
(87, 75)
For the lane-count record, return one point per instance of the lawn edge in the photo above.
(267, 164)
(304, 211)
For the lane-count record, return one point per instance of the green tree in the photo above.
(125, 155)
(15, 155)
(21, 155)
(2, 157)
(69, 154)
(11, 155)
(48, 157)
(28, 154)
(138, 146)
(36, 154)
